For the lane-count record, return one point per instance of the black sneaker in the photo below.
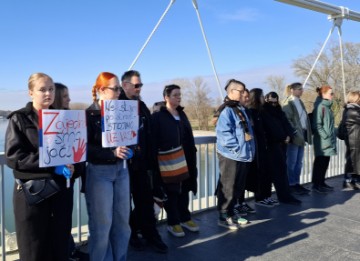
(320, 189)
(245, 208)
(136, 243)
(264, 203)
(295, 190)
(326, 186)
(158, 245)
(350, 185)
(301, 188)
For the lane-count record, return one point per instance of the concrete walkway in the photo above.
(324, 227)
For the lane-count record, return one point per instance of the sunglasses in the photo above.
(136, 86)
(114, 89)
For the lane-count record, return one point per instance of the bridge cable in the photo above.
(208, 48)
(151, 34)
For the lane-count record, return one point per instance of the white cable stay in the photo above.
(203, 33)
(336, 14)
(208, 48)
(151, 34)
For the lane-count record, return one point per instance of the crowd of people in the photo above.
(254, 134)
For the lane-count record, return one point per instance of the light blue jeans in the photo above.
(294, 159)
(108, 204)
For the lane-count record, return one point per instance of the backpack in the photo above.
(341, 130)
(311, 119)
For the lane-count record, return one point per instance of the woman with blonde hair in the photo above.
(107, 189)
(324, 138)
(43, 228)
(351, 119)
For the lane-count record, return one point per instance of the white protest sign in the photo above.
(62, 137)
(120, 122)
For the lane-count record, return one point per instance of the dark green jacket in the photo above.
(324, 130)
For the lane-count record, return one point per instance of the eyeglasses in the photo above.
(136, 86)
(273, 103)
(114, 89)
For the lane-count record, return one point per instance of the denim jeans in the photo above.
(294, 159)
(108, 203)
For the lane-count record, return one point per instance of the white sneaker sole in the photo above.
(182, 234)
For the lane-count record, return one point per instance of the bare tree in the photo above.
(79, 106)
(328, 70)
(277, 84)
(198, 104)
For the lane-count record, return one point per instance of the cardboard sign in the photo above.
(119, 122)
(62, 137)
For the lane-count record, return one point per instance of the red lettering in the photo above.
(51, 122)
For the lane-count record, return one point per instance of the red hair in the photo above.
(323, 89)
(101, 81)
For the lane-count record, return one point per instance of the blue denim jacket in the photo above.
(231, 137)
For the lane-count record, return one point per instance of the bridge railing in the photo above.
(208, 174)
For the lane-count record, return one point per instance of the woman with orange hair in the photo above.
(107, 187)
(324, 138)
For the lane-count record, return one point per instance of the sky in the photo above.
(74, 40)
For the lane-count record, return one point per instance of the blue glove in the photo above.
(130, 154)
(63, 170)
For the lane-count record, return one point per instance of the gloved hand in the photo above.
(129, 154)
(63, 170)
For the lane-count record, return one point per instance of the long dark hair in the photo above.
(59, 90)
(255, 98)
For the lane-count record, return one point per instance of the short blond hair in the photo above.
(36, 76)
(353, 97)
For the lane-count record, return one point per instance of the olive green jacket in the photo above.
(294, 118)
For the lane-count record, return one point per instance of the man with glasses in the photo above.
(296, 113)
(235, 148)
(143, 180)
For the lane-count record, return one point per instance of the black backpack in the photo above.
(341, 130)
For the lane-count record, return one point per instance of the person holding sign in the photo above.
(107, 189)
(175, 143)
(42, 227)
(144, 178)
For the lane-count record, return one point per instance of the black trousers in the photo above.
(177, 205)
(321, 164)
(231, 184)
(276, 156)
(43, 230)
(142, 217)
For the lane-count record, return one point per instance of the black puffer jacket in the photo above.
(22, 145)
(170, 133)
(352, 124)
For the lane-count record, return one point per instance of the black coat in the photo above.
(22, 145)
(276, 125)
(144, 158)
(96, 154)
(352, 124)
(170, 133)
(257, 166)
